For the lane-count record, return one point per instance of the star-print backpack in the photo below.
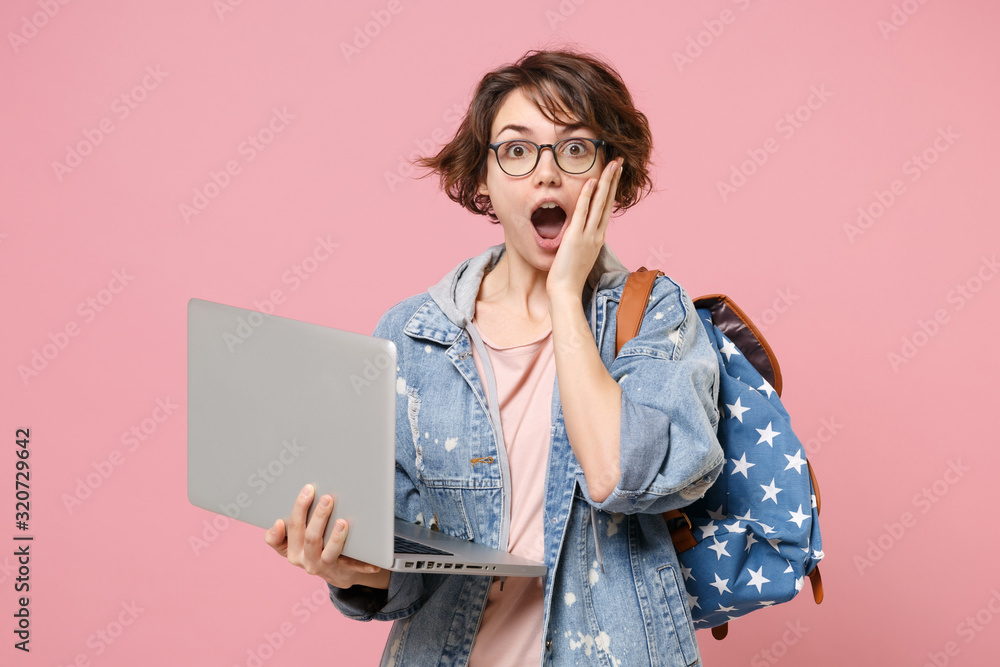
(753, 538)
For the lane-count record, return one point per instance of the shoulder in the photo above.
(667, 300)
(392, 322)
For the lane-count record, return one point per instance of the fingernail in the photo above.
(307, 491)
(339, 526)
(324, 502)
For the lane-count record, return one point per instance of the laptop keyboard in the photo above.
(405, 546)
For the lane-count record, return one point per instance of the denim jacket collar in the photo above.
(456, 293)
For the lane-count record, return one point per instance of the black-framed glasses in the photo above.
(519, 157)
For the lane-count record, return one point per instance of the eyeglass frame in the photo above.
(598, 144)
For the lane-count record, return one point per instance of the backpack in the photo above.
(751, 540)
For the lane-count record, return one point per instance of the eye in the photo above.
(575, 148)
(516, 150)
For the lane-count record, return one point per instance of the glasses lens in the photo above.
(575, 156)
(517, 158)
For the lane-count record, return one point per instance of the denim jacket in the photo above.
(629, 609)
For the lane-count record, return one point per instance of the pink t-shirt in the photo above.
(511, 630)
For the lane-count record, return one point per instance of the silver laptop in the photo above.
(275, 403)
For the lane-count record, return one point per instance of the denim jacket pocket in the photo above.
(675, 601)
(447, 511)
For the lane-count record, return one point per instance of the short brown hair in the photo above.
(587, 87)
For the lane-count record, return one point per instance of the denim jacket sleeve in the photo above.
(406, 590)
(669, 376)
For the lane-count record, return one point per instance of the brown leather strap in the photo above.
(631, 308)
(817, 584)
(740, 329)
(720, 631)
(815, 483)
(680, 532)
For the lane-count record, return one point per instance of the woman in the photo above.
(593, 447)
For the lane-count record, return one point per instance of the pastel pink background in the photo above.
(834, 306)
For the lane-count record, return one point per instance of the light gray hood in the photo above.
(456, 293)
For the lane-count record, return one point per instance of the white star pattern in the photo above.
(692, 601)
(757, 578)
(798, 517)
(742, 466)
(795, 462)
(717, 514)
(719, 548)
(748, 424)
(733, 527)
(736, 410)
(767, 435)
(771, 491)
(729, 350)
(721, 584)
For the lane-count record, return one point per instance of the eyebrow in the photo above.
(521, 129)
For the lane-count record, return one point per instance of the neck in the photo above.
(518, 287)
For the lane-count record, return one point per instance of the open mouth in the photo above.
(548, 220)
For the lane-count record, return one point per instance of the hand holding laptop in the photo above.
(302, 544)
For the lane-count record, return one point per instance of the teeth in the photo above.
(550, 204)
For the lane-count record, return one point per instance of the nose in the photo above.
(547, 171)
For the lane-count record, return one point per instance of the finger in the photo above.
(609, 202)
(583, 203)
(599, 201)
(313, 539)
(297, 521)
(358, 565)
(335, 545)
(275, 538)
